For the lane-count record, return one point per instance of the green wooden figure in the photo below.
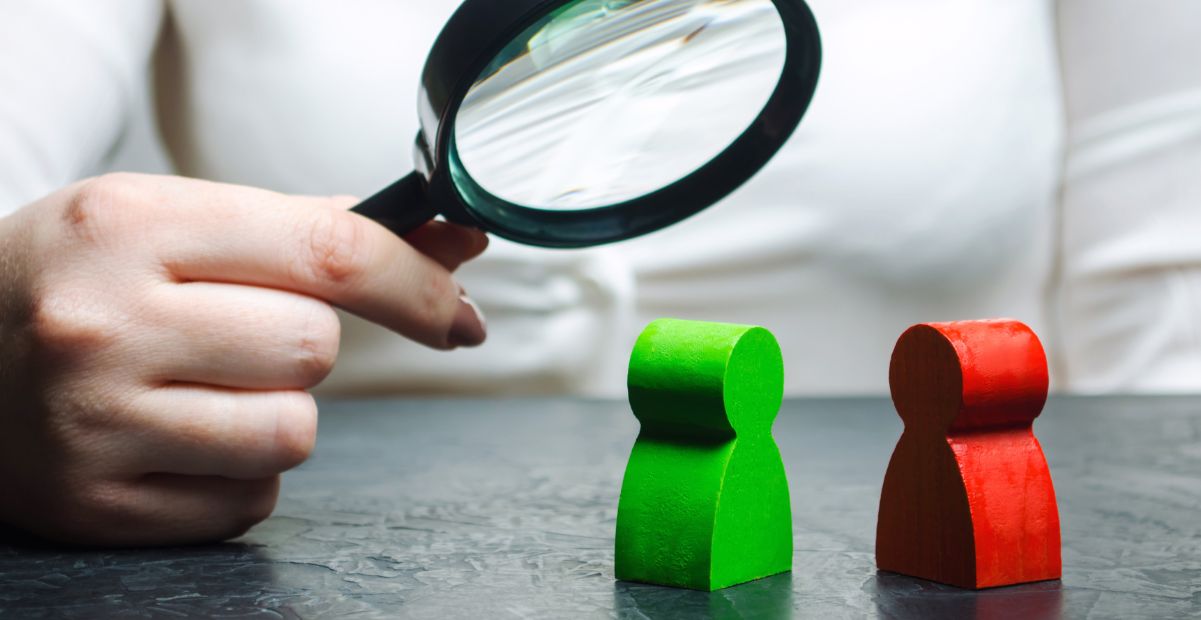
(704, 503)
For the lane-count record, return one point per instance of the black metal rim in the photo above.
(480, 29)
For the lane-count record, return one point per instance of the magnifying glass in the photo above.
(572, 123)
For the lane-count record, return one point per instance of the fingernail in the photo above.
(483, 241)
(469, 328)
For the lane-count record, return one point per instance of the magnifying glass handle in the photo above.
(401, 207)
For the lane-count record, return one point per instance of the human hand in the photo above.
(157, 335)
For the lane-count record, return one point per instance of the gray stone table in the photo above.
(506, 509)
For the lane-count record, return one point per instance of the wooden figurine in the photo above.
(704, 503)
(968, 499)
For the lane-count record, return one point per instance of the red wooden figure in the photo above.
(967, 499)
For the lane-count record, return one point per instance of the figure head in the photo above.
(968, 374)
(690, 377)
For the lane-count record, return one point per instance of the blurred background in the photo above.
(962, 159)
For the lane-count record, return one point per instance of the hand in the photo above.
(157, 335)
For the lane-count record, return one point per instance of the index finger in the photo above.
(314, 246)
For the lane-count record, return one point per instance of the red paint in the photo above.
(968, 499)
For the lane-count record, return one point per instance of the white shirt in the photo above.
(1020, 158)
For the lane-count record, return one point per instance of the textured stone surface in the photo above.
(505, 509)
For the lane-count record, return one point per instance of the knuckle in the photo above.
(96, 208)
(76, 418)
(334, 251)
(101, 501)
(71, 321)
(317, 351)
(81, 511)
(295, 432)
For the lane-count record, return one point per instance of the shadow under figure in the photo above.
(704, 503)
(904, 598)
(764, 599)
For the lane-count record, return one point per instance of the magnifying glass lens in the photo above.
(605, 101)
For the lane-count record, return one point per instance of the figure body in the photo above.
(968, 498)
(704, 503)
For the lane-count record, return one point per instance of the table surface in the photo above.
(506, 509)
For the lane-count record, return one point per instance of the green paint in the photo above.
(704, 503)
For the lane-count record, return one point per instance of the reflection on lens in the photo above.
(604, 101)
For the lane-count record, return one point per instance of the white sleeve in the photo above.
(1129, 300)
(69, 73)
